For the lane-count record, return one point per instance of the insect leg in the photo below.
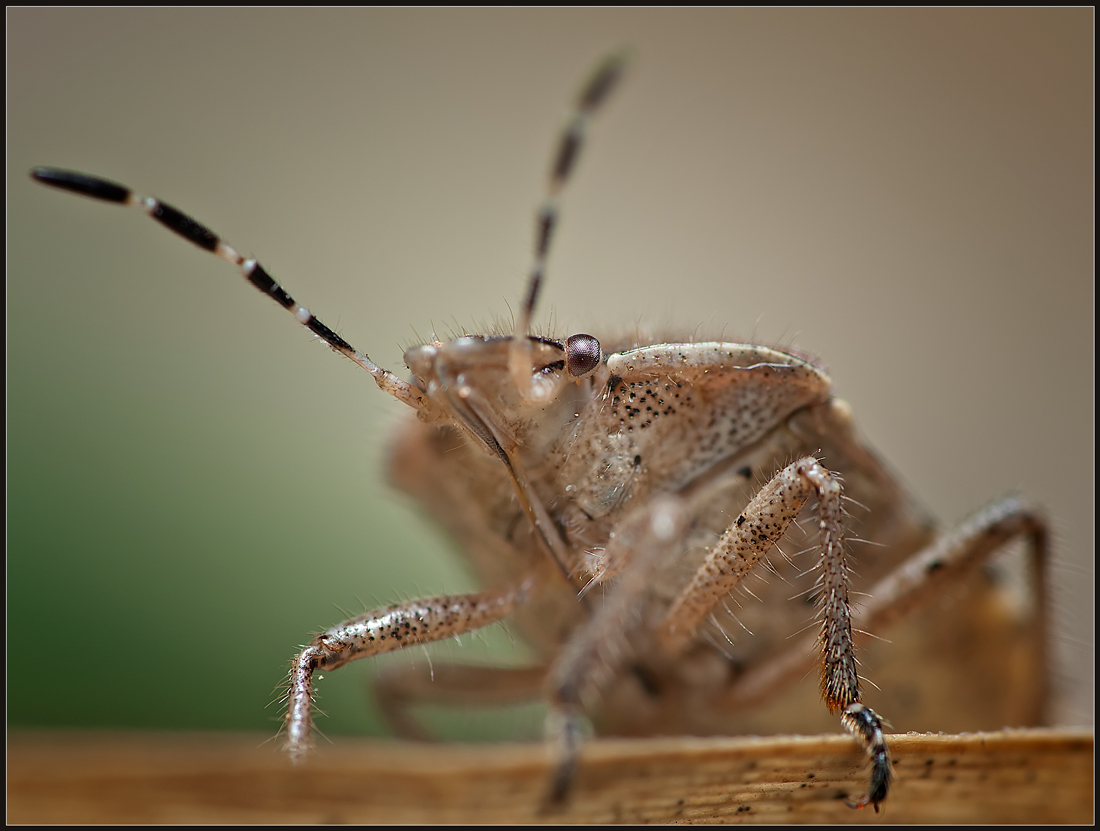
(385, 630)
(915, 584)
(407, 685)
(596, 649)
(927, 574)
(746, 542)
(594, 93)
(194, 232)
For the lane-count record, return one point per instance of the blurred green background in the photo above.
(194, 484)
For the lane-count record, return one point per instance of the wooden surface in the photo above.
(1040, 776)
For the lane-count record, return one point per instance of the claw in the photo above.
(864, 724)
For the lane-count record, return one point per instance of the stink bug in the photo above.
(662, 517)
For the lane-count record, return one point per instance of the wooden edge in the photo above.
(1033, 776)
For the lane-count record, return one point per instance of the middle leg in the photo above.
(400, 688)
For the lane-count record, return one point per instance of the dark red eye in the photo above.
(582, 354)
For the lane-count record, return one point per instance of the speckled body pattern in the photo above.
(663, 645)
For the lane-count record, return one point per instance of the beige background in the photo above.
(193, 484)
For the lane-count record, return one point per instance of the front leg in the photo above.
(746, 542)
(595, 650)
(385, 630)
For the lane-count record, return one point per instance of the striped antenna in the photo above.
(599, 86)
(197, 233)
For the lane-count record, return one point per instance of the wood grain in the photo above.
(1034, 776)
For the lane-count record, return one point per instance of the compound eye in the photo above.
(582, 355)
